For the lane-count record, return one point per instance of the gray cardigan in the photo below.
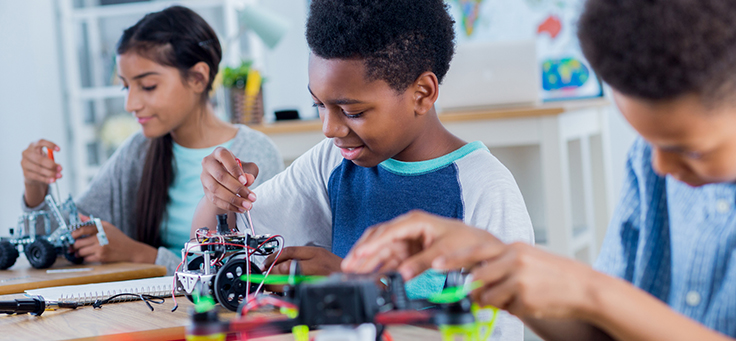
(112, 193)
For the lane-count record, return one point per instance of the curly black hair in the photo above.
(662, 49)
(397, 39)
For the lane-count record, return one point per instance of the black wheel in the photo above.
(196, 264)
(229, 289)
(70, 256)
(41, 254)
(8, 254)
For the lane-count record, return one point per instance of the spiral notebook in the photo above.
(88, 293)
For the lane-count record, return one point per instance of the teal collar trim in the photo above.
(427, 166)
(182, 151)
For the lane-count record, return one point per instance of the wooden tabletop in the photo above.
(546, 109)
(22, 276)
(134, 321)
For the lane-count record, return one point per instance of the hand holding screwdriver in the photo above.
(39, 170)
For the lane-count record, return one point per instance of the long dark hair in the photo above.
(180, 38)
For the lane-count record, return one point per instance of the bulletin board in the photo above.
(565, 74)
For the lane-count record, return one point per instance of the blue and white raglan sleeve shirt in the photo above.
(327, 201)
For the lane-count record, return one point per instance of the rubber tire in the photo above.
(70, 256)
(8, 254)
(41, 253)
(225, 286)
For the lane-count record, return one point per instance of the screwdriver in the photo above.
(50, 154)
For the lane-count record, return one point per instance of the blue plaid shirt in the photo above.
(676, 242)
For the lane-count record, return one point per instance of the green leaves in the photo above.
(236, 77)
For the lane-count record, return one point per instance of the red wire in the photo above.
(173, 287)
(281, 248)
(248, 254)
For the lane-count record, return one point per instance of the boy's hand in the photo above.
(38, 171)
(312, 261)
(226, 183)
(120, 247)
(526, 281)
(410, 243)
(531, 283)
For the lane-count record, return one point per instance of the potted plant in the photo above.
(246, 95)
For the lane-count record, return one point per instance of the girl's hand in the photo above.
(226, 182)
(120, 247)
(38, 171)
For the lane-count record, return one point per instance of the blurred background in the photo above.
(518, 83)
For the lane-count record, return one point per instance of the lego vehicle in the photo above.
(41, 250)
(218, 259)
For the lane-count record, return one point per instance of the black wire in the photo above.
(144, 297)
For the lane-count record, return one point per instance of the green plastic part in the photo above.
(485, 319)
(462, 332)
(454, 294)
(279, 279)
(204, 303)
(300, 332)
(290, 313)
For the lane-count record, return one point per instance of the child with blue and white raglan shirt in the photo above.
(386, 153)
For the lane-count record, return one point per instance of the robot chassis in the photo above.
(218, 260)
(348, 307)
(42, 250)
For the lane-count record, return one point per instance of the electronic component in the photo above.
(350, 305)
(219, 260)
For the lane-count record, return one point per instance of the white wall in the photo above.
(622, 136)
(31, 102)
(286, 65)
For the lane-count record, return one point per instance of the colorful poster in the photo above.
(564, 72)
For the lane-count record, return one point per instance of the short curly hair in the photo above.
(397, 39)
(662, 49)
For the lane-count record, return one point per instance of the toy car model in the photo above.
(218, 259)
(41, 250)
